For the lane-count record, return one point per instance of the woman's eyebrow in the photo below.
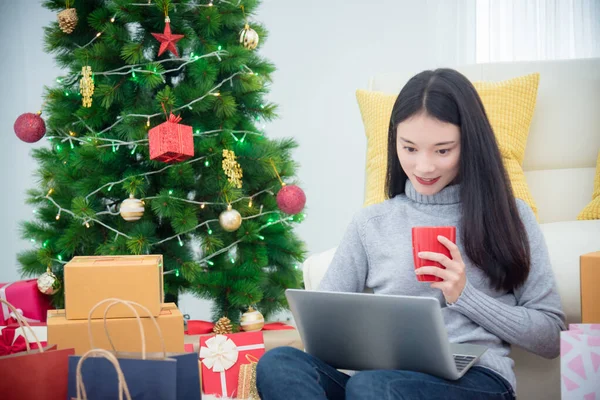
(437, 144)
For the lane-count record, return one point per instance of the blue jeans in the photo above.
(287, 373)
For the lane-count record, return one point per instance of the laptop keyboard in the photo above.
(461, 361)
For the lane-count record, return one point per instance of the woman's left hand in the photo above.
(453, 277)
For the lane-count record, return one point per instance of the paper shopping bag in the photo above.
(149, 375)
(33, 374)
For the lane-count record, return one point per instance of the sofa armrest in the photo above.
(566, 242)
(315, 266)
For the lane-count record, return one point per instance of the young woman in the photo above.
(444, 169)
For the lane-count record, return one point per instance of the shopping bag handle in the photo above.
(81, 393)
(142, 331)
(23, 324)
(130, 304)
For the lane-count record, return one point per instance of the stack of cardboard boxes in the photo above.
(90, 280)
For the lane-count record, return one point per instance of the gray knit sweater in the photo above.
(376, 252)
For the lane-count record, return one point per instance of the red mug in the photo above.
(424, 238)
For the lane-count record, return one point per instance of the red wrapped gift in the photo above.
(171, 141)
(222, 356)
(12, 341)
(199, 327)
(27, 299)
(277, 326)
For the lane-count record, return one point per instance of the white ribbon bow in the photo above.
(220, 353)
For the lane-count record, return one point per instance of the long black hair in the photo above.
(493, 234)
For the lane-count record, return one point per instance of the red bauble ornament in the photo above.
(291, 199)
(30, 127)
(171, 141)
(167, 39)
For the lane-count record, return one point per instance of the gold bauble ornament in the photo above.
(132, 209)
(67, 20)
(249, 37)
(223, 326)
(86, 86)
(230, 220)
(252, 320)
(48, 283)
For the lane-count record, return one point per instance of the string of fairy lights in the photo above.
(72, 138)
(86, 220)
(205, 260)
(212, 92)
(132, 69)
(210, 3)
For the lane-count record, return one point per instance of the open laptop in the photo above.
(360, 331)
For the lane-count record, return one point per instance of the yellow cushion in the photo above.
(509, 105)
(592, 210)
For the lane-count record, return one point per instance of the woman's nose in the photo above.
(424, 166)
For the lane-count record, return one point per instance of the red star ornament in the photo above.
(167, 40)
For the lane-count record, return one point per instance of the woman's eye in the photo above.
(410, 149)
(443, 151)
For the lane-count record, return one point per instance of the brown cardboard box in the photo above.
(89, 280)
(590, 288)
(124, 332)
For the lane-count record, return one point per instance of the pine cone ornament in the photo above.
(67, 20)
(223, 326)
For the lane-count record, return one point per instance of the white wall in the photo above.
(24, 70)
(324, 51)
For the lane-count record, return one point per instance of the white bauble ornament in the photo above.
(249, 37)
(48, 283)
(230, 219)
(132, 209)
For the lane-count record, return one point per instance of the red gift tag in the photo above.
(424, 238)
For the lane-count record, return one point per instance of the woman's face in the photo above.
(429, 152)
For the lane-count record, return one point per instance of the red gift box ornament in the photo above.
(171, 141)
(219, 355)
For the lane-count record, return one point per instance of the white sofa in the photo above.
(559, 164)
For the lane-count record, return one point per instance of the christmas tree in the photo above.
(157, 145)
